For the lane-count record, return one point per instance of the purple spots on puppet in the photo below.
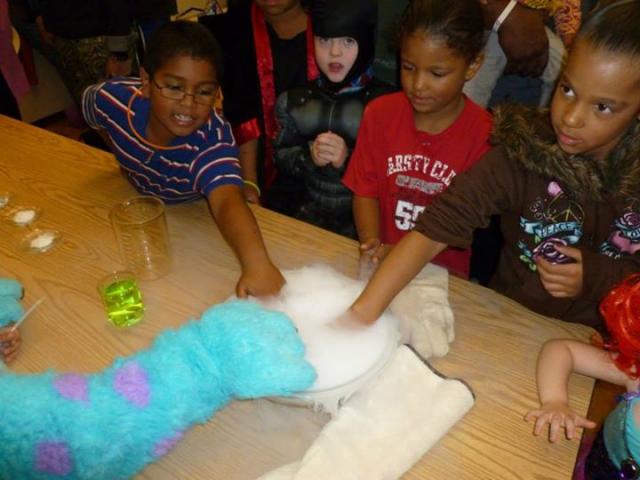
(72, 387)
(53, 458)
(131, 382)
(163, 446)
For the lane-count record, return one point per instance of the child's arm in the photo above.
(366, 214)
(238, 226)
(557, 360)
(403, 263)
(9, 343)
(248, 157)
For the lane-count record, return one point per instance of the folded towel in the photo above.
(426, 319)
(385, 428)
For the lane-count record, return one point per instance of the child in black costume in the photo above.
(319, 123)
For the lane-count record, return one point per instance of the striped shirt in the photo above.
(194, 165)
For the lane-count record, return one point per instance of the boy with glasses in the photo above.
(173, 145)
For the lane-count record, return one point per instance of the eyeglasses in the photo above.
(204, 96)
(629, 469)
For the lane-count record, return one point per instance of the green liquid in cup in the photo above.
(123, 302)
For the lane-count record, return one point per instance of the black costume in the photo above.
(258, 66)
(304, 113)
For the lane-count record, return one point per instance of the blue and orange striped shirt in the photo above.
(194, 165)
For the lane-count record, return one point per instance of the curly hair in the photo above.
(182, 38)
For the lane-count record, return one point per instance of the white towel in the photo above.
(386, 427)
(426, 319)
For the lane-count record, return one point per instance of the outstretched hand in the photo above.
(260, 281)
(259, 352)
(559, 417)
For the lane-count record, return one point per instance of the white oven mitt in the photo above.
(426, 319)
(386, 427)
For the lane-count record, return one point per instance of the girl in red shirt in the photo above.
(413, 143)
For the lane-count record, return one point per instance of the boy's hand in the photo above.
(562, 280)
(329, 149)
(9, 343)
(558, 416)
(260, 281)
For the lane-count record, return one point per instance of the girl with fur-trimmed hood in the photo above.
(566, 183)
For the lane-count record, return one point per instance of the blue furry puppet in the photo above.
(112, 423)
(10, 306)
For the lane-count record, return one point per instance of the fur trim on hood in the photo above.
(527, 136)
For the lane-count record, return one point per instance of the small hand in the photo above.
(251, 194)
(329, 149)
(374, 249)
(562, 280)
(524, 41)
(9, 343)
(260, 281)
(558, 416)
(117, 68)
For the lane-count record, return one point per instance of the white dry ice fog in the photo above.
(344, 356)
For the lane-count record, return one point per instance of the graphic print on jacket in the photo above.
(626, 238)
(557, 220)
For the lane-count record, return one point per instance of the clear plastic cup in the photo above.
(140, 228)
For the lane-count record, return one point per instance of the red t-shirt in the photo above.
(405, 168)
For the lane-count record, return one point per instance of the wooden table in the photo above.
(495, 349)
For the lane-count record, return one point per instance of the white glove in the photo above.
(426, 319)
(386, 427)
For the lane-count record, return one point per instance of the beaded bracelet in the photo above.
(254, 185)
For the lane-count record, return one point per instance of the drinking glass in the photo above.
(141, 231)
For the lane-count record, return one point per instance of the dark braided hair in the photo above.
(458, 22)
(614, 27)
